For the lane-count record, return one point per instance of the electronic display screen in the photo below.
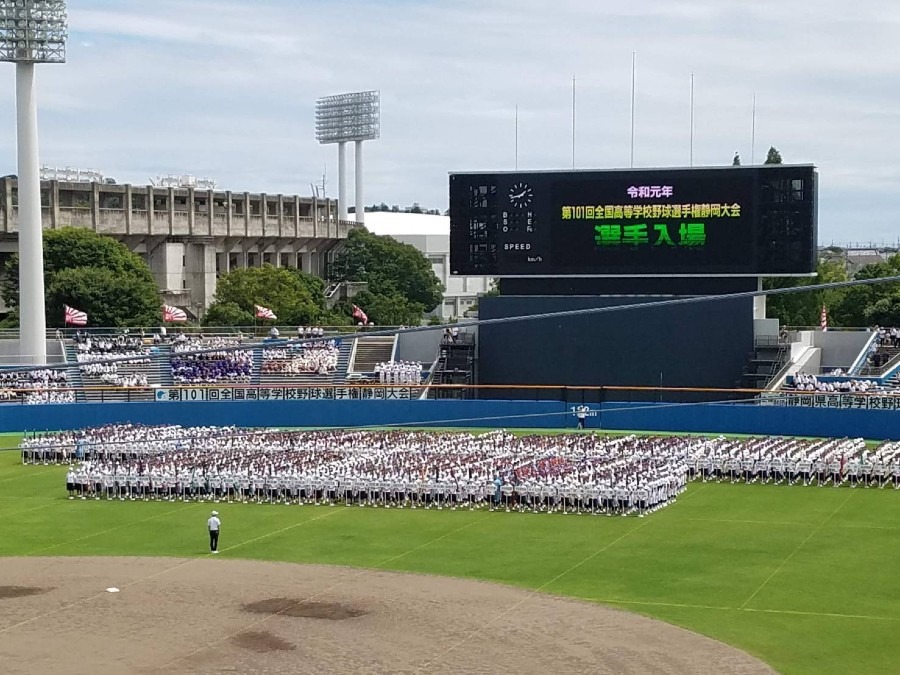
(728, 221)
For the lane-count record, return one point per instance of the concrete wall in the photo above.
(840, 348)
(692, 345)
(707, 418)
(422, 346)
(167, 265)
(765, 327)
(9, 353)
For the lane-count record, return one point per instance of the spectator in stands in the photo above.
(212, 364)
(318, 357)
(36, 386)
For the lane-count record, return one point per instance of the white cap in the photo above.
(215, 513)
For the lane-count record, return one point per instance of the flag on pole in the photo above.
(823, 320)
(74, 317)
(360, 315)
(264, 313)
(173, 314)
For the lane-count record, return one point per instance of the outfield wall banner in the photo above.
(203, 394)
(833, 401)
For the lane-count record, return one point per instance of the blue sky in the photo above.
(227, 89)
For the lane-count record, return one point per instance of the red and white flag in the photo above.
(823, 320)
(75, 317)
(173, 314)
(264, 313)
(360, 315)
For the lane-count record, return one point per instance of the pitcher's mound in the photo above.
(225, 616)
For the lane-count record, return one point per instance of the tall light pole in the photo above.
(31, 31)
(349, 117)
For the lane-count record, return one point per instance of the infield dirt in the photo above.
(232, 616)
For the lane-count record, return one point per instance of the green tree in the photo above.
(228, 314)
(804, 309)
(773, 156)
(737, 159)
(388, 310)
(93, 273)
(295, 296)
(390, 268)
(875, 304)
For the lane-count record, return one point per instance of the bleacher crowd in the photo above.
(35, 386)
(806, 382)
(318, 357)
(309, 332)
(90, 348)
(211, 366)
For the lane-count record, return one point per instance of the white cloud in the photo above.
(227, 89)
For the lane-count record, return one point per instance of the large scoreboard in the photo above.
(729, 221)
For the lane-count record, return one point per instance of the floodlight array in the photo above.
(349, 117)
(33, 31)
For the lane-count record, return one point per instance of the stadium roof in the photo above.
(406, 224)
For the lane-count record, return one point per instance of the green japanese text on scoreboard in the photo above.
(707, 221)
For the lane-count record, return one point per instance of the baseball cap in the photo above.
(215, 513)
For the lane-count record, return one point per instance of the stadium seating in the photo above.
(228, 366)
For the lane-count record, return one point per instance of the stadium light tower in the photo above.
(31, 31)
(349, 117)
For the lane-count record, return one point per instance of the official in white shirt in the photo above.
(213, 525)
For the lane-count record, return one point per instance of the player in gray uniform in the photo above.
(777, 469)
(879, 472)
(820, 469)
(834, 469)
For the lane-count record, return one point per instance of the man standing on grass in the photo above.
(213, 525)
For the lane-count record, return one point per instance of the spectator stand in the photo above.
(835, 382)
(50, 385)
(885, 354)
(315, 363)
(123, 380)
(228, 366)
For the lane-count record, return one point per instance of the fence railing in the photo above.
(367, 390)
(258, 330)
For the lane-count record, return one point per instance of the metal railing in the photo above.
(147, 332)
(568, 395)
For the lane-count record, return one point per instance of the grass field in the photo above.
(808, 579)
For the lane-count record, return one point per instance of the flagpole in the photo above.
(753, 133)
(573, 122)
(692, 120)
(517, 136)
(633, 70)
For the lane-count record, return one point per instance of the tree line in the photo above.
(858, 306)
(115, 286)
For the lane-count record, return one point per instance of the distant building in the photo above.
(189, 236)
(431, 235)
(859, 258)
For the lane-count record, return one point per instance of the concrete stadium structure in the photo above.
(189, 236)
